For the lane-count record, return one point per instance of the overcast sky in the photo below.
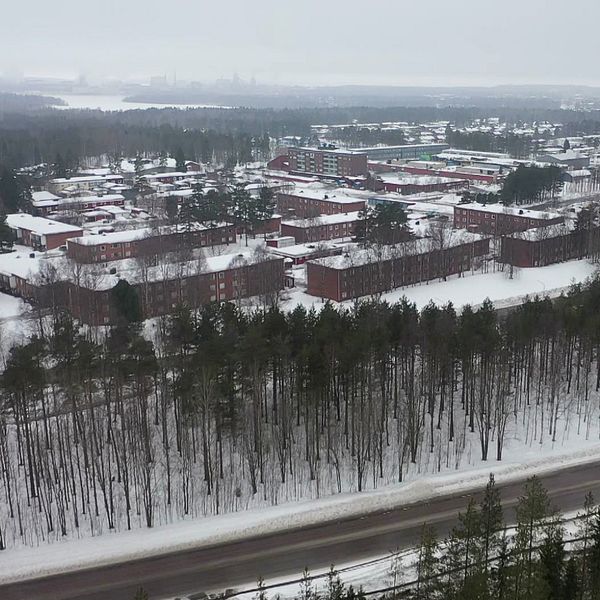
(415, 42)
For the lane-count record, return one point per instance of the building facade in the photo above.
(496, 219)
(308, 206)
(40, 233)
(549, 245)
(404, 152)
(368, 272)
(146, 242)
(329, 163)
(224, 278)
(87, 182)
(329, 227)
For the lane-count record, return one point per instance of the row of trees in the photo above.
(221, 410)
(237, 205)
(532, 184)
(31, 137)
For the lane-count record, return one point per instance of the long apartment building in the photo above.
(403, 152)
(326, 227)
(496, 219)
(327, 162)
(134, 243)
(83, 183)
(311, 204)
(160, 290)
(371, 271)
(549, 245)
(44, 202)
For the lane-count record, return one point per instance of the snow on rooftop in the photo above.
(357, 258)
(43, 196)
(509, 210)
(39, 225)
(86, 179)
(324, 220)
(132, 235)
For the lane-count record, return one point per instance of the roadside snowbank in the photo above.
(29, 563)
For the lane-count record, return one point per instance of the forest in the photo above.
(34, 136)
(226, 409)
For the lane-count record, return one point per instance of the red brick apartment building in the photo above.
(326, 162)
(146, 242)
(501, 220)
(549, 245)
(40, 233)
(365, 272)
(326, 227)
(223, 278)
(416, 184)
(310, 204)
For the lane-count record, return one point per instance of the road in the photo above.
(287, 553)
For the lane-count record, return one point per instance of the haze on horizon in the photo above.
(314, 42)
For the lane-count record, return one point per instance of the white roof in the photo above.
(356, 258)
(39, 225)
(43, 196)
(87, 179)
(509, 210)
(173, 174)
(132, 235)
(325, 197)
(324, 220)
(399, 179)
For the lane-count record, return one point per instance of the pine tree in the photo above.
(552, 561)
(307, 592)
(179, 157)
(427, 564)
(141, 594)
(571, 581)
(335, 587)
(126, 302)
(492, 521)
(532, 511)
(592, 582)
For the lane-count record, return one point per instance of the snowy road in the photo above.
(287, 553)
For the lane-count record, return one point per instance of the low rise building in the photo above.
(549, 245)
(147, 242)
(311, 204)
(419, 184)
(378, 270)
(41, 233)
(76, 204)
(326, 227)
(497, 219)
(159, 289)
(403, 152)
(83, 183)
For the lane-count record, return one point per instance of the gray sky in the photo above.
(414, 42)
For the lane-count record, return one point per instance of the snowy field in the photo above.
(473, 289)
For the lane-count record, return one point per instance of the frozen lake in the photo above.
(108, 103)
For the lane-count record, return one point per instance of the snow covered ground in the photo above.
(475, 288)
(523, 458)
